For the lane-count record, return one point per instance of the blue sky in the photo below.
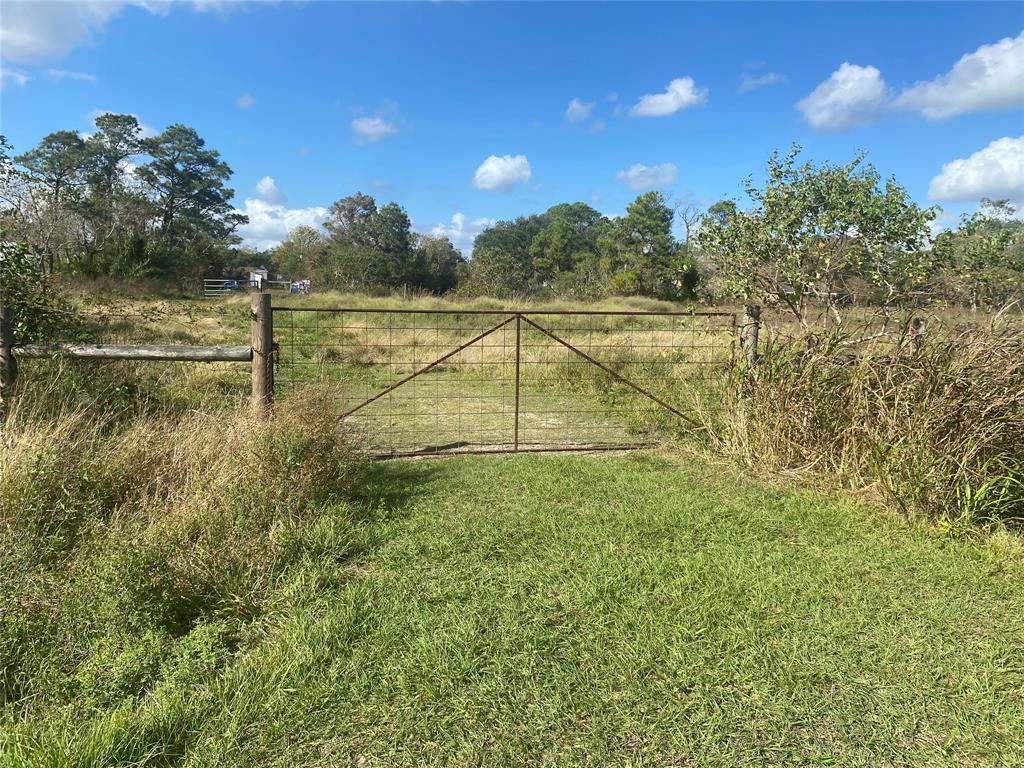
(409, 101)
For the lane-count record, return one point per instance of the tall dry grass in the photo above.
(939, 429)
(136, 554)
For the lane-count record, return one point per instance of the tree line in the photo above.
(364, 247)
(116, 203)
(810, 236)
(120, 204)
(568, 249)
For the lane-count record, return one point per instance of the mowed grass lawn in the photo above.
(621, 610)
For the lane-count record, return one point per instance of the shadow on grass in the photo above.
(389, 486)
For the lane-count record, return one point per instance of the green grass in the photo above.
(182, 587)
(581, 610)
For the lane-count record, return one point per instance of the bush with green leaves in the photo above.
(813, 231)
(36, 306)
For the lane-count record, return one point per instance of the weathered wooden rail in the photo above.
(259, 354)
(138, 352)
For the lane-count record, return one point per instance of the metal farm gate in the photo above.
(418, 382)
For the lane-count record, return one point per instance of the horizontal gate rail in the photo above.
(509, 312)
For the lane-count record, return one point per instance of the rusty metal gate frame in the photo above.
(519, 317)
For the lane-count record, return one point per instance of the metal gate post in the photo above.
(515, 445)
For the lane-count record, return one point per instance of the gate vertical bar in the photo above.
(516, 435)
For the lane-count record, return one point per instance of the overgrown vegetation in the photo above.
(138, 559)
(938, 426)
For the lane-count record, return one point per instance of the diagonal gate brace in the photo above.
(612, 373)
(429, 366)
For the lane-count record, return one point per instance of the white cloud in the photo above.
(997, 171)
(681, 93)
(750, 82)
(67, 74)
(462, 232)
(33, 31)
(37, 31)
(501, 173)
(10, 76)
(244, 101)
(991, 77)
(596, 127)
(270, 223)
(642, 177)
(852, 95)
(578, 110)
(371, 129)
(267, 191)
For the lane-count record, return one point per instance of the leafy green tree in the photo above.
(117, 139)
(640, 255)
(348, 219)
(296, 256)
(368, 247)
(59, 165)
(187, 183)
(984, 257)
(721, 213)
(46, 191)
(440, 266)
(811, 229)
(390, 236)
(115, 210)
(567, 242)
(501, 264)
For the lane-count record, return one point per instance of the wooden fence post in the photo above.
(748, 345)
(751, 329)
(8, 363)
(262, 355)
(915, 333)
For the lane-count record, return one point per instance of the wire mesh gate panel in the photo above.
(409, 382)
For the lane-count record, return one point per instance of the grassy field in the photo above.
(545, 610)
(181, 586)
